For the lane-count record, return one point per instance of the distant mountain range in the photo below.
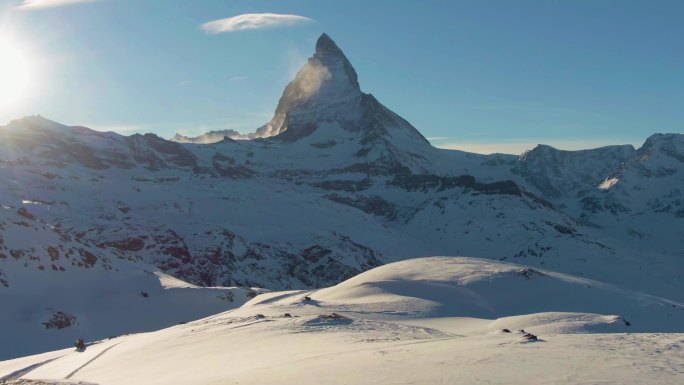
(335, 184)
(210, 137)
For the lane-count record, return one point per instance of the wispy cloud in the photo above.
(183, 83)
(237, 78)
(37, 4)
(253, 21)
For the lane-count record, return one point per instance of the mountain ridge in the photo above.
(327, 198)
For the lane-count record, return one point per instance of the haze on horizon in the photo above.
(494, 77)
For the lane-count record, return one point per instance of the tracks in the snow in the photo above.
(16, 375)
(23, 371)
(90, 361)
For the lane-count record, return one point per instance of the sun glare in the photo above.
(15, 74)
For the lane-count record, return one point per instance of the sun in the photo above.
(15, 74)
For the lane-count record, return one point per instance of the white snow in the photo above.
(103, 303)
(608, 183)
(389, 333)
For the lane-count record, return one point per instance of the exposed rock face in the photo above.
(60, 320)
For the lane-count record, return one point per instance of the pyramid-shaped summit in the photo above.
(331, 56)
(326, 91)
(326, 44)
(324, 85)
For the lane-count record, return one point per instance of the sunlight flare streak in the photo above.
(15, 74)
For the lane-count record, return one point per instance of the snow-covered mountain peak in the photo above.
(325, 44)
(32, 122)
(330, 55)
(660, 157)
(558, 173)
(325, 98)
(544, 150)
(326, 88)
(668, 145)
(209, 137)
(324, 104)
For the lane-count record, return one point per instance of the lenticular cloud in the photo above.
(253, 21)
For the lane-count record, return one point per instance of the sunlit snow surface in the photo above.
(608, 183)
(423, 321)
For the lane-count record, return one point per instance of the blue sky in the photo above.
(477, 75)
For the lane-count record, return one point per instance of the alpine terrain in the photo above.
(305, 251)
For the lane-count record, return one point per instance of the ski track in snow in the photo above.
(91, 360)
(24, 371)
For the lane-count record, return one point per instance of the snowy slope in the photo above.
(430, 320)
(45, 311)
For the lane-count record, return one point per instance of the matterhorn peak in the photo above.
(326, 84)
(325, 94)
(330, 55)
(325, 44)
